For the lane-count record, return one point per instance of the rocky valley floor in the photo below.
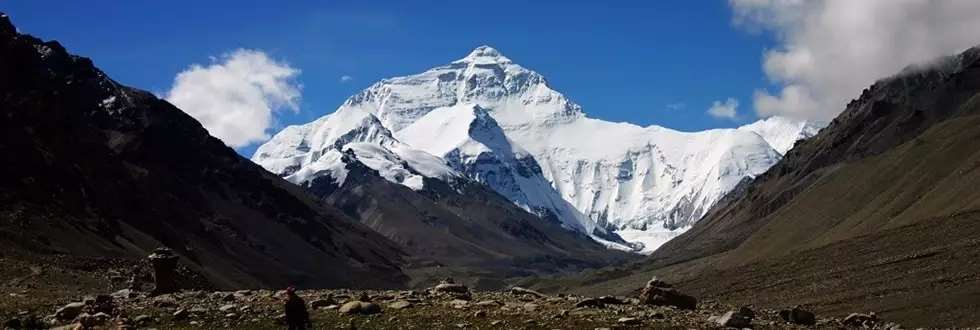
(71, 294)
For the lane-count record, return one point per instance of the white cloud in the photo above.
(346, 78)
(830, 50)
(237, 96)
(726, 110)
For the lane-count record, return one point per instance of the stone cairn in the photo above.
(164, 263)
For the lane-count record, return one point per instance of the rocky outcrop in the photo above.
(659, 293)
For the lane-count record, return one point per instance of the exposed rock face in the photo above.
(101, 167)
(659, 293)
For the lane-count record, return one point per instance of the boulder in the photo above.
(741, 318)
(401, 304)
(659, 293)
(69, 311)
(797, 315)
(360, 307)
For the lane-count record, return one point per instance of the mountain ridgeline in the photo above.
(499, 124)
(94, 169)
(878, 212)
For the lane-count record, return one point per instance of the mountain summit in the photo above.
(484, 55)
(594, 176)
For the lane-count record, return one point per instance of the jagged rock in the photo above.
(69, 311)
(525, 292)
(741, 318)
(360, 307)
(659, 293)
(164, 263)
(798, 315)
(401, 304)
(860, 320)
(180, 314)
(321, 303)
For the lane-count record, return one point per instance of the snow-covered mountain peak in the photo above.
(484, 55)
(782, 132)
(495, 122)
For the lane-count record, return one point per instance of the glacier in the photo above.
(487, 119)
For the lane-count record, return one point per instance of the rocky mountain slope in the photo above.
(878, 211)
(94, 169)
(498, 123)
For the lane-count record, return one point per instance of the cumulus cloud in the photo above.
(237, 96)
(346, 78)
(724, 110)
(830, 50)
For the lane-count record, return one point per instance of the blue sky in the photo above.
(636, 61)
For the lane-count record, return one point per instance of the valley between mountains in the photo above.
(476, 195)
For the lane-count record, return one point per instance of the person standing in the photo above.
(297, 318)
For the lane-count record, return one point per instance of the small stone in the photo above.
(231, 315)
(165, 301)
(480, 314)
(519, 291)
(227, 308)
(530, 307)
(69, 311)
(485, 303)
(496, 322)
(316, 304)
(142, 319)
(401, 304)
(628, 320)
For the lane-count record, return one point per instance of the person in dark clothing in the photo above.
(296, 316)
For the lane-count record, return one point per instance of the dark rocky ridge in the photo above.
(878, 212)
(93, 168)
(466, 230)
